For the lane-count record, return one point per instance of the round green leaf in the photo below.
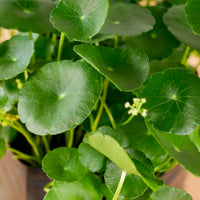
(58, 97)
(3, 98)
(192, 14)
(79, 19)
(180, 147)
(2, 147)
(142, 140)
(127, 19)
(176, 22)
(26, 15)
(92, 159)
(15, 55)
(133, 185)
(171, 194)
(88, 188)
(62, 164)
(127, 69)
(172, 101)
(157, 43)
(160, 66)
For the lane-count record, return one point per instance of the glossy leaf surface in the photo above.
(2, 147)
(84, 189)
(79, 19)
(157, 43)
(172, 101)
(176, 22)
(62, 164)
(160, 66)
(181, 148)
(15, 55)
(171, 194)
(191, 10)
(133, 185)
(58, 97)
(141, 139)
(90, 158)
(3, 98)
(112, 149)
(127, 19)
(125, 68)
(26, 15)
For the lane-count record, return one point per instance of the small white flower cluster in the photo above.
(136, 107)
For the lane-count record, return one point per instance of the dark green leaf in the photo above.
(176, 22)
(157, 43)
(88, 188)
(127, 19)
(133, 185)
(80, 19)
(44, 48)
(92, 159)
(26, 15)
(142, 140)
(3, 98)
(15, 55)
(118, 135)
(2, 147)
(192, 14)
(172, 101)
(195, 138)
(181, 148)
(108, 146)
(125, 68)
(160, 66)
(171, 194)
(62, 164)
(58, 97)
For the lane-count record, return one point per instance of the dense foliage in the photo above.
(100, 94)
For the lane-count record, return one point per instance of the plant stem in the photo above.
(163, 164)
(100, 111)
(127, 121)
(185, 56)
(46, 144)
(115, 41)
(54, 38)
(90, 40)
(62, 38)
(108, 113)
(70, 135)
(91, 118)
(26, 134)
(147, 3)
(25, 74)
(120, 185)
(24, 156)
(48, 186)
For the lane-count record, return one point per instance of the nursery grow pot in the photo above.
(19, 181)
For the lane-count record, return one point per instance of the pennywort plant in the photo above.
(100, 94)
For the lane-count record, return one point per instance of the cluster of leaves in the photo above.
(66, 76)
